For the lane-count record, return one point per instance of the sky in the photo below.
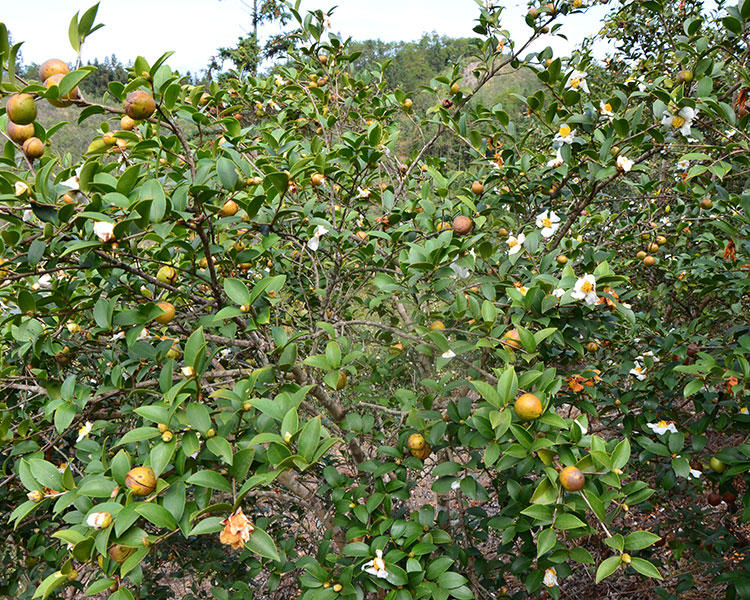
(194, 29)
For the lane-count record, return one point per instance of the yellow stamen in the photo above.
(564, 131)
(587, 287)
(678, 122)
(547, 223)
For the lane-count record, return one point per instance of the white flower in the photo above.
(557, 161)
(448, 354)
(44, 282)
(550, 577)
(637, 372)
(376, 566)
(662, 427)
(682, 121)
(144, 334)
(120, 335)
(515, 244)
(99, 520)
(577, 81)
(585, 289)
(84, 431)
(21, 188)
(363, 192)
(279, 81)
(461, 272)
(29, 216)
(558, 292)
(695, 473)
(274, 105)
(104, 231)
(73, 183)
(564, 135)
(314, 242)
(548, 222)
(683, 165)
(456, 485)
(624, 164)
(605, 109)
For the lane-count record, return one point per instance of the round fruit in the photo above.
(592, 347)
(64, 100)
(572, 479)
(119, 553)
(437, 326)
(33, 148)
(167, 274)
(53, 66)
(707, 203)
(416, 442)
(407, 104)
(653, 248)
(141, 481)
(661, 240)
(562, 259)
(649, 261)
(528, 407)
(423, 453)
(127, 123)
(455, 88)
(139, 105)
(167, 436)
(19, 133)
(729, 497)
(477, 188)
(462, 225)
(229, 209)
(512, 338)
(717, 465)
(21, 109)
(714, 499)
(685, 76)
(168, 313)
(317, 179)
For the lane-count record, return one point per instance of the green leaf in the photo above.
(308, 439)
(645, 568)
(607, 567)
(156, 514)
(545, 541)
(237, 291)
(262, 544)
(46, 474)
(211, 480)
(638, 540)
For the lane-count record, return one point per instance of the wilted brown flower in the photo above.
(237, 530)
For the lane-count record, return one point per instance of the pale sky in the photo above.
(194, 29)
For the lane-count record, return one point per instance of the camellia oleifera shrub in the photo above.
(257, 344)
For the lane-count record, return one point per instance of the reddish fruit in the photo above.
(714, 499)
(167, 315)
(51, 67)
(141, 481)
(19, 133)
(462, 225)
(139, 105)
(477, 188)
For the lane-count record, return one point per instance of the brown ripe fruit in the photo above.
(33, 148)
(649, 261)
(317, 179)
(21, 109)
(706, 203)
(19, 133)
(572, 479)
(416, 442)
(729, 497)
(512, 339)
(423, 453)
(528, 407)
(168, 313)
(462, 225)
(229, 209)
(64, 100)
(119, 553)
(141, 481)
(477, 188)
(53, 66)
(562, 259)
(139, 105)
(127, 123)
(714, 499)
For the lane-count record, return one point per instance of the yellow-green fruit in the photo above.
(139, 105)
(572, 479)
(477, 188)
(661, 240)
(562, 259)
(19, 133)
(512, 338)
(141, 481)
(211, 433)
(685, 76)
(127, 123)
(167, 274)
(707, 203)
(119, 553)
(33, 148)
(53, 66)
(168, 313)
(528, 407)
(162, 427)
(167, 436)
(416, 442)
(423, 453)
(64, 100)
(641, 255)
(21, 109)
(341, 381)
(229, 209)
(455, 88)
(717, 465)
(437, 326)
